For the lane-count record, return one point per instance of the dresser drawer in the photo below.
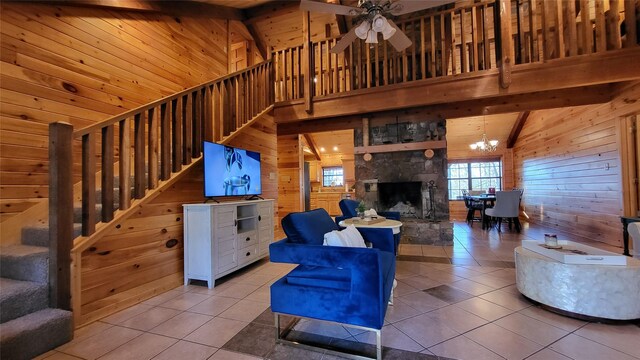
(246, 238)
(225, 232)
(247, 254)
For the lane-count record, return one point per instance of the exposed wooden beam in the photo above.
(269, 9)
(517, 128)
(312, 146)
(506, 43)
(320, 125)
(499, 105)
(307, 63)
(600, 68)
(176, 8)
(423, 145)
(340, 19)
(257, 40)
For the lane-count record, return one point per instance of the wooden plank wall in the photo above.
(144, 256)
(81, 65)
(290, 163)
(568, 162)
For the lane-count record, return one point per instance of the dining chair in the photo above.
(472, 207)
(507, 207)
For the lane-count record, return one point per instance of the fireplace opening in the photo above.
(404, 197)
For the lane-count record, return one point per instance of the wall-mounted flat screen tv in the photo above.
(230, 171)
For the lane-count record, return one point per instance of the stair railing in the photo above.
(151, 143)
(488, 34)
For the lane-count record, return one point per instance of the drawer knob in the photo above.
(248, 238)
(259, 218)
(248, 253)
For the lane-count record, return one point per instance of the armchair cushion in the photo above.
(349, 237)
(308, 227)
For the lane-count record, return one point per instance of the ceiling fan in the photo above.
(373, 17)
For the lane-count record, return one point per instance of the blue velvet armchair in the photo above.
(350, 286)
(349, 209)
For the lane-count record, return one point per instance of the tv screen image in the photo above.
(230, 171)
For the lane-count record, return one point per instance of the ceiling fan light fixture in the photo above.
(379, 23)
(372, 37)
(388, 30)
(363, 30)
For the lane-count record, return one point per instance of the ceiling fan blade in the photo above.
(321, 7)
(402, 7)
(346, 40)
(399, 40)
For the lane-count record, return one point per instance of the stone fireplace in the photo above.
(407, 181)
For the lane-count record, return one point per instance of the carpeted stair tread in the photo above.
(39, 235)
(18, 298)
(24, 262)
(31, 335)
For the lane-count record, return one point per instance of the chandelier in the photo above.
(484, 145)
(368, 30)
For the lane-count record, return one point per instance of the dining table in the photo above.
(487, 200)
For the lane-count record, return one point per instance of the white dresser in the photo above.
(224, 237)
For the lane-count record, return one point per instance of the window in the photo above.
(332, 176)
(480, 175)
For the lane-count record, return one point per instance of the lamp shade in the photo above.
(388, 31)
(379, 23)
(363, 29)
(372, 37)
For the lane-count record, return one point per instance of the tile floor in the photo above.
(451, 302)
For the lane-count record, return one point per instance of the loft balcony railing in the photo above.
(482, 36)
(143, 147)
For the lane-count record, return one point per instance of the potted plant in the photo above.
(361, 208)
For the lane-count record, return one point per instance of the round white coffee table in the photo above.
(598, 291)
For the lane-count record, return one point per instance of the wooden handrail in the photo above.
(114, 119)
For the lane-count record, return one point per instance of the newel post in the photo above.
(60, 214)
(505, 45)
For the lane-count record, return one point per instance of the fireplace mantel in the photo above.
(422, 145)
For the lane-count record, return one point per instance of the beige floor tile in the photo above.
(230, 355)
(257, 279)
(506, 299)
(435, 251)
(144, 347)
(532, 329)
(492, 281)
(150, 318)
(185, 301)
(577, 347)
(410, 249)
(503, 342)
(462, 272)
(244, 310)
(483, 308)
(420, 282)
(471, 287)
(126, 314)
(546, 354)
(403, 289)
(186, 350)
(462, 348)
(442, 277)
(400, 311)
(89, 330)
(164, 297)
(55, 355)
(217, 289)
(559, 321)
(95, 346)
(322, 328)
(181, 325)
(426, 333)
(624, 338)
(238, 291)
(391, 337)
(456, 318)
(422, 301)
(214, 305)
(216, 332)
(263, 295)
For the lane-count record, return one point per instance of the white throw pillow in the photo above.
(349, 237)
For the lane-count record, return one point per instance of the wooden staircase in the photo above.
(122, 163)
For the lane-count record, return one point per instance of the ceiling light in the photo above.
(484, 145)
(379, 23)
(363, 29)
(335, 148)
(372, 37)
(388, 31)
(321, 149)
